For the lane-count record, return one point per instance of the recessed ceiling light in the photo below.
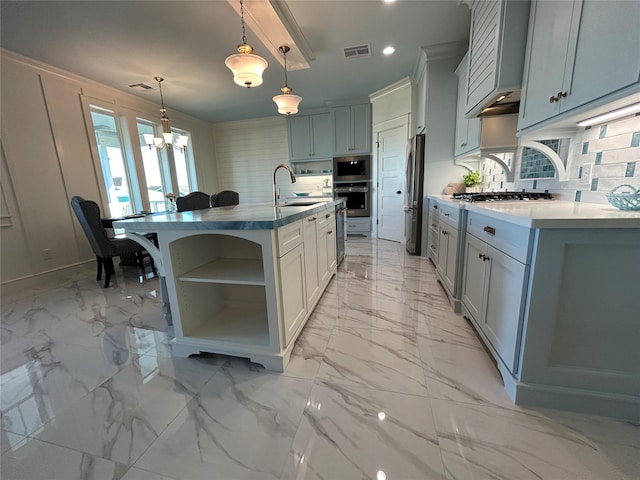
(388, 1)
(388, 50)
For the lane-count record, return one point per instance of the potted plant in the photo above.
(471, 181)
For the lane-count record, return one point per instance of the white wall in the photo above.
(47, 158)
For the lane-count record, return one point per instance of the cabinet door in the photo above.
(332, 258)
(451, 259)
(502, 319)
(321, 136)
(312, 282)
(607, 54)
(361, 128)
(299, 138)
(342, 143)
(467, 129)
(292, 280)
(323, 256)
(442, 247)
(549, 31)
(475, 271)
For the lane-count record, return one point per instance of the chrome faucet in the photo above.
(276, 192)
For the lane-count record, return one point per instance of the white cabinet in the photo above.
(326, 245)
(310, 137)
(352, 129)
(312, 280)
(291, 269)
(496, 51)
(433, 235)
(578, 52)
(450, 227)
(467, 129)
(359, 226)
(494, 286)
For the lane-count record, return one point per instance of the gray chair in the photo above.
(192, 201)
(103, 246)
(225, 198)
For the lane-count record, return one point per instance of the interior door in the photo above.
(392, 149)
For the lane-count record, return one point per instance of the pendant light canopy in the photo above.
(247, 68)
(167, 137)
(287, 102)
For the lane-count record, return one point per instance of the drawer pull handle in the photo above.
(444, 232)
(433, 225)
(483, 257)
(447, 214)
(490, 230)
(313, 219)
(329, 232)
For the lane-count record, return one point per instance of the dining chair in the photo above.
(104, 246)
(192, 201)
(225, 198)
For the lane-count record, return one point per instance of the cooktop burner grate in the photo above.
(501, 196)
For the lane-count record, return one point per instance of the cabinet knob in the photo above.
(329, 232)
(398, 192)
(463, 144)
(444, 232)
(433, 225)
(557, 97)
(552, 99)
(483, 257)
(327, 215)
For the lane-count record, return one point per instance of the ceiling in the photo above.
(119, 43)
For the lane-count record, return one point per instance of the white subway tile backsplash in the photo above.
(610, 170)
(621, 155)
(610, 143)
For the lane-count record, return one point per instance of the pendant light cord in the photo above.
(244, 35)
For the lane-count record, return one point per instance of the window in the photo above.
(138, 178)
(112, 161)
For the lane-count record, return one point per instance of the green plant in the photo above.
(471, 179)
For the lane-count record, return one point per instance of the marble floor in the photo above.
(385, 382)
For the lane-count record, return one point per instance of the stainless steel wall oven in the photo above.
(358, 196)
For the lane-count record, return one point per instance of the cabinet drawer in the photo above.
(449, 215)
(514, 240)
(358, 225)
(289, 237)
(326, 217)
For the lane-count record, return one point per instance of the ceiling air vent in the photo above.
(140, 87)
(360, 51)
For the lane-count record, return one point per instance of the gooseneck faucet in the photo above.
(276, 193)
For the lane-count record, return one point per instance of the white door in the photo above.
(392, 151)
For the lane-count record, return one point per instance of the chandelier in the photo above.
(166, 140)
(287, 103)
(247, 68)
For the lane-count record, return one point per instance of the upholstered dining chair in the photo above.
(104, 246)
(192, 201)
(225, 198)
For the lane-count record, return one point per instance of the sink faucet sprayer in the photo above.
(276, 192)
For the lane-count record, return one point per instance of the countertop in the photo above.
(551, 213)
(247, 216)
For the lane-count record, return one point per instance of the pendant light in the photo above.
(247, 68)
(167, 137)
(287, 103)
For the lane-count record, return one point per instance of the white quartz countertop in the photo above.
(247, 216)
(551, 213)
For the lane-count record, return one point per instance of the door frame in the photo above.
(401, 121)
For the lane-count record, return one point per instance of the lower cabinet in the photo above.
(447, 256)
(433, 235)
(311, 253)
(449, 246)
(292, 280)
(493, 293)
(359, 226)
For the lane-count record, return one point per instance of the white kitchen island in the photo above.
(242, 280)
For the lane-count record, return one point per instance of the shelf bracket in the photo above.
(507, 170)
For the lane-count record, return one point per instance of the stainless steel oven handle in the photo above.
(352, 189)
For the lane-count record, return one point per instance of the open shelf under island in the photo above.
(242, 280)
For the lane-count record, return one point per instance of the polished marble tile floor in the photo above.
(385, 382)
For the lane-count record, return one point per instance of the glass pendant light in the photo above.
(247, 68)
(287, 102)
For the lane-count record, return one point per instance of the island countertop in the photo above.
(245, 216)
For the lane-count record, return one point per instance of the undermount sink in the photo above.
(299, 204)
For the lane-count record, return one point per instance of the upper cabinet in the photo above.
(310, 137)
(467, 129)
(578, 52)
(496, 51)
(352, 129)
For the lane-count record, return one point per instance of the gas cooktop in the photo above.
(501, 196)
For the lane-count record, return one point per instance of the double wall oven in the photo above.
(352, 180)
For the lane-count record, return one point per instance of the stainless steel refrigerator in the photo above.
(413, 197)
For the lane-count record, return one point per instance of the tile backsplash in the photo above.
(601, 158)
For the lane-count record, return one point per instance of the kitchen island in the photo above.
(553, 290)
(242, 280)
